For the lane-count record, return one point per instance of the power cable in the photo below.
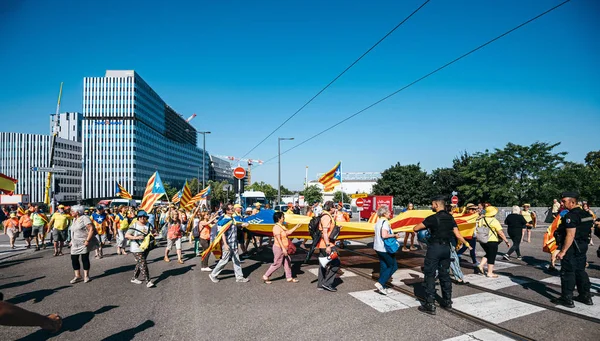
(336, 78)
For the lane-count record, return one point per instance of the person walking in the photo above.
(82, 243)
(530, 219)
(205, 226)
(572, 238)
(230, 245)
(515, 223)
(121, 225)
(39, 227)
(281, 249)
(100, 220)
(586, 207)
(325, 245)
(471, 209)
(491, 246)
(11, 228)
(387, 260)
(136, 233)
(58, 224)
(555, 208)
(409, 247)
(25, 225)
(174, 233)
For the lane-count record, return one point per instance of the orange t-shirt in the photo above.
(204, 231)
(26, 221)
(322, 244)
(11, 223)
(279, 230)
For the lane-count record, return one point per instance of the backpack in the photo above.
(313, 228)
(123, 223)
(483, 232)
(196, 231)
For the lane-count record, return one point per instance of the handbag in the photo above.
(335, 233)
(391, 244)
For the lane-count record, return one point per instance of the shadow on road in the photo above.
(9, 263)
(174, 272)
(117, 270)
(18, 284)
(129, 334)
(37, 296)
(70, 323)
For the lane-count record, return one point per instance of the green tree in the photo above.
(445, 180)
(482, 179)
(341, 196)
(311, 194)
(218, 195)
(406, 183)
(171, 191)
(285, 191)
(270, 191)
(592, 159)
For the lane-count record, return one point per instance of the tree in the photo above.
(171, 191)
(285, 191)
(270, 191)
(217, 194)
(482, 179)
(592, 159)
(311, 194)
(445, 180)
(406, 183)
(341, 196)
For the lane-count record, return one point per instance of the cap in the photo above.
(61, 206)
(471, 205)
(249, 209)
(92, 208)
(257, 204)
(13, 215)
(99, 207)
(527, 205)
(569, 195)
(237, 206)
(491, 211)
(438, 198)
(142, 213)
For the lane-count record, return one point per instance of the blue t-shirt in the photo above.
(231, 233)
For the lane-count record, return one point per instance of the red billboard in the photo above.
(372, 203)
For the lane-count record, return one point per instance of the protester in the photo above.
(205, 225)
(471, 209)
(229, 247)
(100, 222)
(11, 228)
(387, 260)
(296, 209)
(409, 247)
(515, 223)
(121, 225)
(491, 246)
(12, 315)
(59, 224)
(325, 245)
(82, 243)
(586, 207)
(173, 236)
(136, 233)
(241, 225)
(39, 227)
(281, 249)
(555, 208)
(530, 219)
(25, 225)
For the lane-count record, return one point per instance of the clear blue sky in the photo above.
(245, 66)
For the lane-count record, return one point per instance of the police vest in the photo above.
(443, 231)
(584, 222)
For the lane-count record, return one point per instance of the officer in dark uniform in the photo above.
(441, 226)
(572, 237)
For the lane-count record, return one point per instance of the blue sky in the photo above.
(244, 67)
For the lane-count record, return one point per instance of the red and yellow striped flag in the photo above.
(154, 190)
(186, 195)
(7, 184)
(332, 178)
(121, 192)
(202, 195)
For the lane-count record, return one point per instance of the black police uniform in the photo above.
(573, 264)
(441, 226)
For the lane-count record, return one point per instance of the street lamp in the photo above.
(203, 156)
(279, 166)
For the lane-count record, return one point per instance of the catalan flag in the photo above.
(176, 198)
(186, 195)
(20, 211)
(154, 190)
(121, 192)
(7, 184)
(201, 195)
(332, 178)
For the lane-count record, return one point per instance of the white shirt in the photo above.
(378, 244)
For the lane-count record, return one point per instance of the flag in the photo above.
(20, 211)
(121, 192)
(7, 184)
(201, 195)
(185, 195)
(332, 178)
(176, 198)
(217, 239)
(154, 190)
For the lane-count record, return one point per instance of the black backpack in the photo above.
(313, 228)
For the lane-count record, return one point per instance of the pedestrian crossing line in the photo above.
(493, 308)
(556, 281)
(481, 335)
(400, 276)
(494, 283)
(346, 274)
(385, 303)
(503, 265)
(582, 309)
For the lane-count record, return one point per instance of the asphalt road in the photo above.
(186, 305)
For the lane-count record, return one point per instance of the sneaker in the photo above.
(519, 258)
(150, 284)
(563, 301)
(507, 257)
(136, 281)
(388, 290)
(213, 278)
(328, 288)
(206, 269)
(587, 300)
(242, 280)
(242, 261)
(428, 308)
(405, 249)
(380, 288)
(446, 305)
(75, 280)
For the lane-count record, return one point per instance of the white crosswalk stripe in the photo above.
(587, 310)
(383, 304)
(406, 276)
(493, 308)
(556, 280)
(494, 283)
(481, 335)
(346, 274)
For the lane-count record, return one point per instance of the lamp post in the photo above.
(279, 167)
(203, 157)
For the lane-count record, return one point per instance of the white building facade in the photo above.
(67, 125)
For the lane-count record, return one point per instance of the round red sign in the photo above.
(455, 200)
(239, 173)
(360, 202)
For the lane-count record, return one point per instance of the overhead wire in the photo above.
(421, 78)
(337, 77)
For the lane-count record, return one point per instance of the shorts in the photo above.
(38, 230)
(177, 243)
(26, 232)
(240, 236)
(59, 235)
(101, 238)
(529, 227)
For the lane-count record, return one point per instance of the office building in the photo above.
(20, 152)
(220, 169)
(67, 125)
(129, 132)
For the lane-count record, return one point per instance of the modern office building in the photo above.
(20, 152)
(220, 169)
(67, 125)
(129, 132)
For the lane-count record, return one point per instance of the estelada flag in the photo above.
(217, 240)
(202, 195)
(549, 245)
(20, 211)
(7, 184)
(154, 190)
(332, 178)
(176, 198)
(186, 195)
(121, 192)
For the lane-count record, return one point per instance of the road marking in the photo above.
(503, 265)
(481, 335)
(582, 309)
(382, 303)
(494, 283)
(493, 308)
(556, 280)
(400, 276)
(346, 274)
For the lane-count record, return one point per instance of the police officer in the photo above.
(441, 229)
(572, 238)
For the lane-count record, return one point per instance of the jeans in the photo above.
(473, 243)
(327, 274)
(455, 264)
(237, 266)
(388, 265)
(572, 271)
(204, 243)
(515, 235)
(438, 258)
(278, 260)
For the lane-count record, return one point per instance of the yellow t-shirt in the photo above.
(494, 225)
(527, 216)
(61, 221)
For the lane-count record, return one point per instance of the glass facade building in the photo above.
(129, 133)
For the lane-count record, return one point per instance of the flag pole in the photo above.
(341, 182)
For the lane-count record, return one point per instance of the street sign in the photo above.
(48, 170)
(359, 195)
(455, 200)
(360, 202)
(239, 173)
(228, 187)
